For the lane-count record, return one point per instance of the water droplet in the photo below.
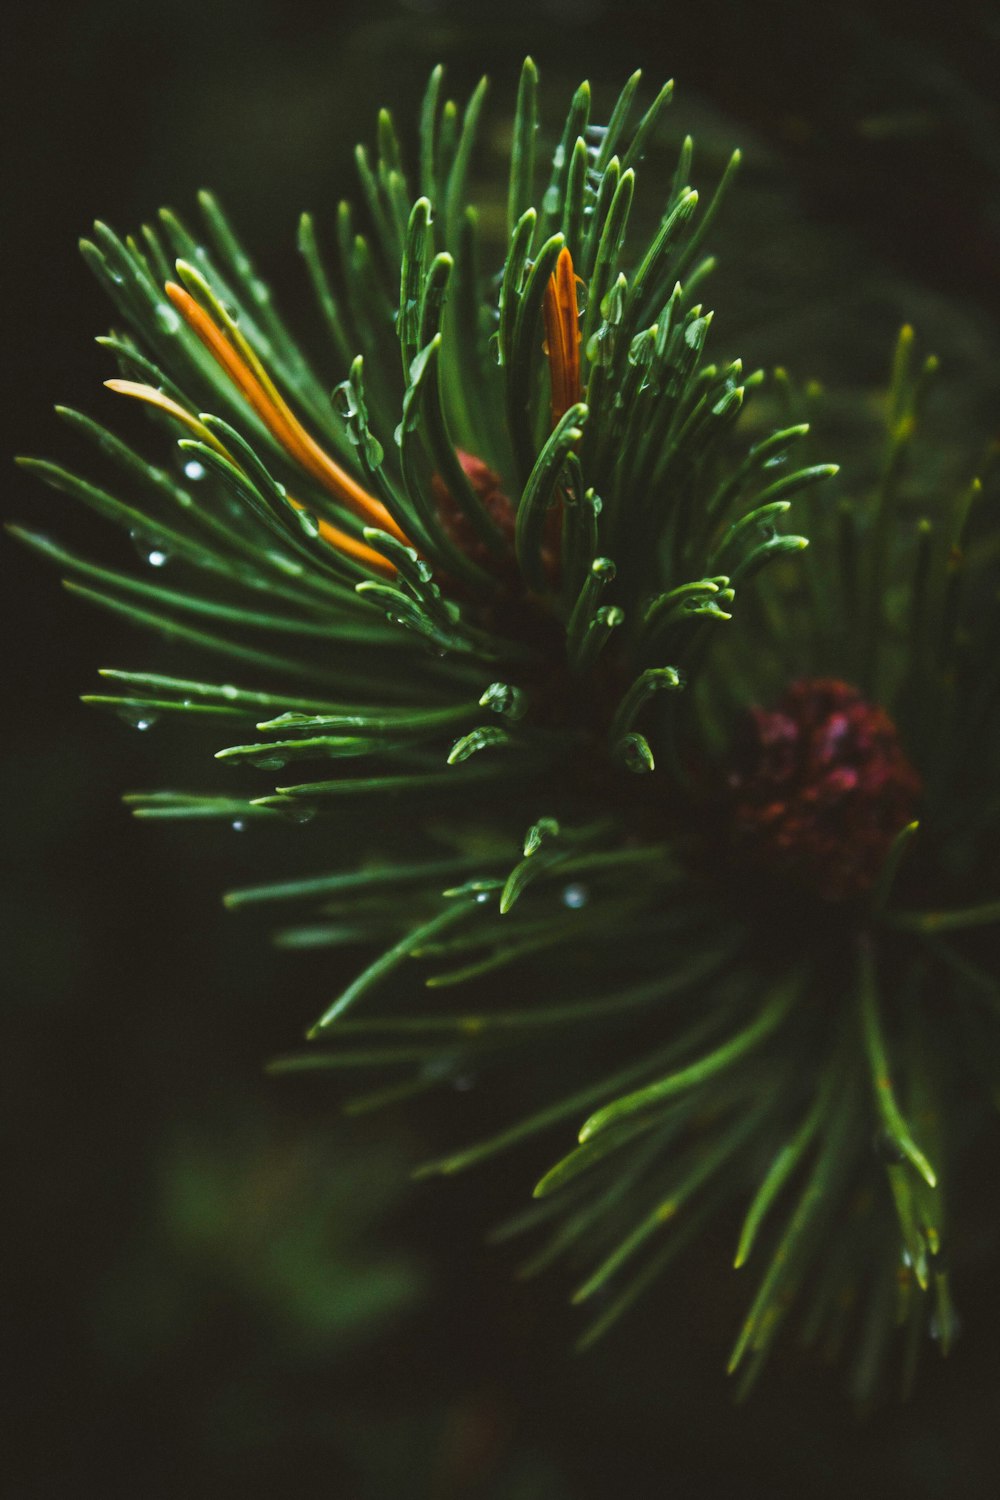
(193, 470)
(576, 895)
(302, 812)
(152, 552)
(268, 762)
(482, 897)
(167, 318)
(504, 699)
(138, 718)
(228, 691)
(343, 400)
(551, 200)
(238, 825)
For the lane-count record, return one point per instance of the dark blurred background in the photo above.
(216, 1286)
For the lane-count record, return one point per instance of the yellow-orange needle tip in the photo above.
(162, 402)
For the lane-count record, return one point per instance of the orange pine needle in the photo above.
(278, 418)
(562, 336)
(344, 542)
(341, 540)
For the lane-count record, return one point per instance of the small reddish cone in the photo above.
(820, 787)
(486, 484)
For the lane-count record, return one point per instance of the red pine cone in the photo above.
(821, 785)
(486, 484)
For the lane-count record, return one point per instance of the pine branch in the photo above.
(542, 581)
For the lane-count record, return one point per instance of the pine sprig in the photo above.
(524, 580)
